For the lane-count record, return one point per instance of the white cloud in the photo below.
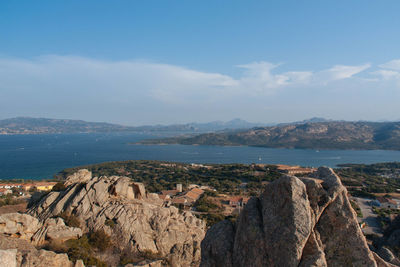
(392, 65)
(339, 72)
(387, 74)
(258, 77)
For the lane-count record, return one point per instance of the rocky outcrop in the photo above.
(29, 228)
(295, 222)
(81, 176)
(18, 252)
(135, 220)
(54, 229)
(19, 225)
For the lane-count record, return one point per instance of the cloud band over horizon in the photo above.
(142, 92)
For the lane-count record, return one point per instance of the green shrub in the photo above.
(212, 218)
(58, 187)
(149, 255)
(205, 204)
(70, 219)
(10, 200)
(81, 249)
(136, 257)
(110, 223)
(99, 239)
(357, 209)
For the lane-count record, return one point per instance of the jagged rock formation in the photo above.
(295, 222)
(133, 218)
(29, 228)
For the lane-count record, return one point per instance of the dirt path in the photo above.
(370, 218)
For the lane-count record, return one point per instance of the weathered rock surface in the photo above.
(29, 228)
(295, 222)
(156, 263)
(134, 219)
(81, 176)
(19, 225)
(8, 258)
(387, 255)
(387, 246)
(21, 253)
(54, 229)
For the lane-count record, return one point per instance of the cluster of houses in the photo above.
(294, 170)
(178, 197)
(6, 188)
(186, 199)
(236, 201)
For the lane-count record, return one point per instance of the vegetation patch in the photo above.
(356, 208)
(100, 240)
(58, 187)
(110, 222)
(366, 180)
(77, 249)
(10, 200)
(70, 219)
(158, 175)
(130, 257)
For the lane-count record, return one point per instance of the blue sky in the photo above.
(143, 62)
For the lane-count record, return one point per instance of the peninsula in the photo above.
(318, 135)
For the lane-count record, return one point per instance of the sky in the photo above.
(149, 62)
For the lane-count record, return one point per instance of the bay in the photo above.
(41, 156)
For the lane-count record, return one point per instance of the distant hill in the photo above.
(27, 125)
(221, 125)
(316, 135)
(312, 120)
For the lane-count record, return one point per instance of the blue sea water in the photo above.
(41, 156)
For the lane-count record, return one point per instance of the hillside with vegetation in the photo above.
(368, 180)
(158, 175)
(360, 179)
(319, 135)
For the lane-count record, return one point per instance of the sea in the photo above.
(42, 156)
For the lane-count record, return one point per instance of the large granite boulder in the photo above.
(295, 222)
(54, 229)
(137, 221)
(81, 176)
(19, 225)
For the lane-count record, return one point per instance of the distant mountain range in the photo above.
(313, 135)
(27, 125)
